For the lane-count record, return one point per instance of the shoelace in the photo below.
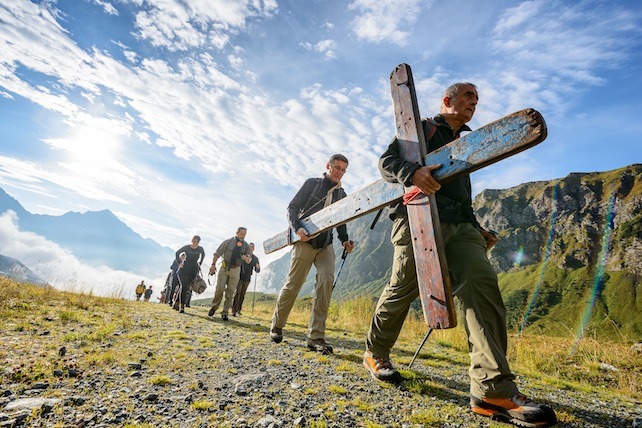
(382, 363)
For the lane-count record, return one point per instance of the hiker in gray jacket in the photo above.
(234, 251)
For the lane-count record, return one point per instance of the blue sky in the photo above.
(198, 116)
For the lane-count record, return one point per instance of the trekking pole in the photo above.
(343, 256)
(420, 346)
(254, 293)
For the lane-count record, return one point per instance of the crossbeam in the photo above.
(489, 144)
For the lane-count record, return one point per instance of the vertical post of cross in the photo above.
(430, 256)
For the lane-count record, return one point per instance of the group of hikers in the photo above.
(234, 276)
(143, 290)
(493, 391)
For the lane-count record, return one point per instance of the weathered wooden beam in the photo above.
(433, 279)
(488, 144)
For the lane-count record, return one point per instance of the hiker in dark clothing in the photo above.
(171, 284)
(314, 195)
(244, 281)
(148, 293)
(188, 269)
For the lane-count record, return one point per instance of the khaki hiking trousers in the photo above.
(303, 257)
(226, 282)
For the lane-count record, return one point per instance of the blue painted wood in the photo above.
(491, 143)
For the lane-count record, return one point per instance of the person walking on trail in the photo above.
(148, 293)
(172, 281)
(493, 391)
(314, 195)
(235, 251)
(188, 269)
(244, 281)
(140, 290)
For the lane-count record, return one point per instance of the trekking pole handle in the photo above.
(345, 252)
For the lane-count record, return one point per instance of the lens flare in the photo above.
(547, 250)
(599, 270)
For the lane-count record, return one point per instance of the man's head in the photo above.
(458, 103)
(196, 239)
(251, 247)
(336, 166)
(241, 232)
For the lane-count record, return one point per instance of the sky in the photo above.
(188, 117)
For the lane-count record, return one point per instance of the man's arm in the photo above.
(296, 205)
(395, 169)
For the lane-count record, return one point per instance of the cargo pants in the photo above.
(474, 283)
(303, 256)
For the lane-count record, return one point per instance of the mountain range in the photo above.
(569, 257)
(95, 238)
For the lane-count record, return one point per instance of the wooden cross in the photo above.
(487, 145)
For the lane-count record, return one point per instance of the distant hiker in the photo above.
(161, 298)
(493, 391)
(315, 194)
(140, 289)
(234, 251)
(148, 293)
(188, 269)
(171, 283)
(246, 275)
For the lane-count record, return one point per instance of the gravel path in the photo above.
(164, 369)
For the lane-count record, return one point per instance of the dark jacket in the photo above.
(454, 199)
(310, 199)
(195, 256)
(248, 268)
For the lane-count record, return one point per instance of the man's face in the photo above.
(251, 248)
(336, 170)
(241, 234)
(464, 104)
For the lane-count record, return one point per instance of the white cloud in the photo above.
(183, 25)
(383, 20)
(325, 47)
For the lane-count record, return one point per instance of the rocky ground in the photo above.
(146, 365)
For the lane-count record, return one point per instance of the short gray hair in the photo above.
(336, 157)
(453, 90)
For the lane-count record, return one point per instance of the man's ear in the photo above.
(447, 101)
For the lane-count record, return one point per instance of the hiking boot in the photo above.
(276, 334)
(182, 311)
(380, 368)
(211, 312)
(518, 410)
(319, 345)
(224, 317)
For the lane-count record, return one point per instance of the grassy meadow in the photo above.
(604, 368)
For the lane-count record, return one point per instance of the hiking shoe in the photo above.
(518, 410)
(182, 311)
(380, 368)
(211, 312)
(224, 317)
(276, 334)
(319, 345)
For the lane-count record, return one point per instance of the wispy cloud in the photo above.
(386, 20)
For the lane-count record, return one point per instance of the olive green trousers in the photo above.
(474, 283)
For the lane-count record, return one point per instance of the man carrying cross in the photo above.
(474, 282)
